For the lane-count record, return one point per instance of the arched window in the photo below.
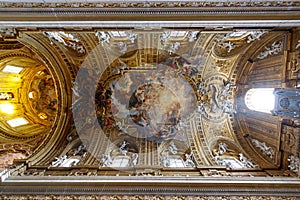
(120, 161)
(260, 99)
(176, 154)
(17, 122)
(233, 163)
(176, 162)
(121, 153)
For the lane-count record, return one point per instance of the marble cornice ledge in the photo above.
(98, 24)
(125, 185)
(150, 10)
(149, 4)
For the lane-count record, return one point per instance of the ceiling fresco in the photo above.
(43, 95)
(158, 92)
(153, 100)
(158, 97)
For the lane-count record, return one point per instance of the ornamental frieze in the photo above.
(138, 197)
(151, 4)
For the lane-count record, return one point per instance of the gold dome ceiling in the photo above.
(28, 104)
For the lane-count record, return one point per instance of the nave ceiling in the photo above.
(149, 87)
(149, 101)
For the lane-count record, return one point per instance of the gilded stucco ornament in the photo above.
(274, 49)
(215, 98)
(8, 33)
(68, 40)
(225, 156)
(266, 150)
(236, 42)
(293, 163)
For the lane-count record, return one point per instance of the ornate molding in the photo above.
(7, 45)
(150, 4)
(150, 185)
(136, 197)
(173, 10)
(143, 23)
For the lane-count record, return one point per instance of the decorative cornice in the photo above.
(214, 25)
(150, 4)
(119, 13)
(137, 197)
(170, 10)
(245, 186)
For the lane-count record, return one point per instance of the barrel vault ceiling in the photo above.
(133, 100)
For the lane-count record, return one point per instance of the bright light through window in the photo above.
(7, 108)
(118, 33)
(120, 162)
(260, 99)
(178, 33)
(30, 95)
(176, 162)
(17, 122)
(12, 69)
